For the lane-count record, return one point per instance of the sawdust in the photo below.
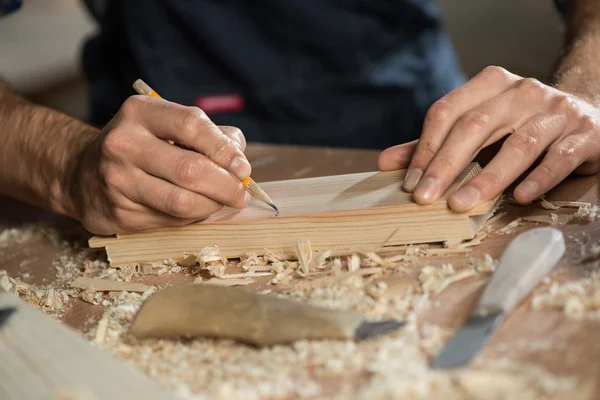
(588, 213)
(576, 299)
(393, 366)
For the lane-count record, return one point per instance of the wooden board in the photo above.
(43, 359)
(355, 211)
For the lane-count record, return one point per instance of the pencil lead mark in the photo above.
(274, 208)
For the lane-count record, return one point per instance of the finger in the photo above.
(236, 135)
(444, 113)
(190, 170)
(518, 152)
(476, 129)
(188, 126)
(170, 199)
(562, 159)
(396, 157)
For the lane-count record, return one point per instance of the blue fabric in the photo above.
(352, 73)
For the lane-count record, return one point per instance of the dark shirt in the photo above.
(353, 73)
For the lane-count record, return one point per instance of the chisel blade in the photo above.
(367, 329)
(5, 314)
(467, 342)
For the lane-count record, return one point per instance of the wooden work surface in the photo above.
(576, 351)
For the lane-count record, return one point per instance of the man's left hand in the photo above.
(496, 103)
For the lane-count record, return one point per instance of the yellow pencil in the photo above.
(252, 187)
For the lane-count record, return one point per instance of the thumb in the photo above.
(396, 157)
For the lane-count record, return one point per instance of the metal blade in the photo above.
(371, 329)
(5, 314)
(465, 344)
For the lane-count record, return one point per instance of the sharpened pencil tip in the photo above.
(274, 208)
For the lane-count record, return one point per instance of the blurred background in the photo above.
(40, 44)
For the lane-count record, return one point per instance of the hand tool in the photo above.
(5, 314)
(252, 187)
(523, 264)
(249, 317)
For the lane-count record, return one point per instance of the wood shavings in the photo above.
(101, 330)
(146, 269)
(211, 256)
(492, 221)
(353, 262)
(510, 227)
(305, 255)
(455, 278)
(229, 282)
(549, 219)
(105, 285)
(452, 244)
(577, 299)
(547, 205)
(91, 296)
(555, 205)
(321, 258)
(431, 278)
(588, 213)
(485, 264)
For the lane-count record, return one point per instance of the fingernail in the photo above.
(240, 167)
(466, 197)
(427, 190)
(529, 188)
(412, 179)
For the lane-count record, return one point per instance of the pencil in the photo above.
(251, 187)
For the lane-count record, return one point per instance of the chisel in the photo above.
(249, 317)
(5, 314)
(523, 264)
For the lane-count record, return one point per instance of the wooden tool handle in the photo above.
(524, 263)
(234, 313)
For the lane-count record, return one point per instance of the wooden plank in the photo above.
(42, 358)
(352, 211)
(105, 285)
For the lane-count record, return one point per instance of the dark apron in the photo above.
(352, 73)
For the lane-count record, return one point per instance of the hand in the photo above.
(129, 178)
(494, 104)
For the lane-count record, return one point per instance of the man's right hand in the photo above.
(129, 178)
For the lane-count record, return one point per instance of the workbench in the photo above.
(545, 337)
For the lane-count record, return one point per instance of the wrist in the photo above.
(65, 188)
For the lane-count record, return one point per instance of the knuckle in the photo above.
(566, 103)
(438, 112)
(488, 182)
(531, 87)
(588, 123)
(112, 178)
(132, 105)
(494, 72)
(566, 153)
(116, 143)
(188, 170)
(179, 203)
(523, 142)
(224, 148)
(473, 122)
(193, 120)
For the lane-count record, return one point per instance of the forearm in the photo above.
(38, 149)
(578, 72)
